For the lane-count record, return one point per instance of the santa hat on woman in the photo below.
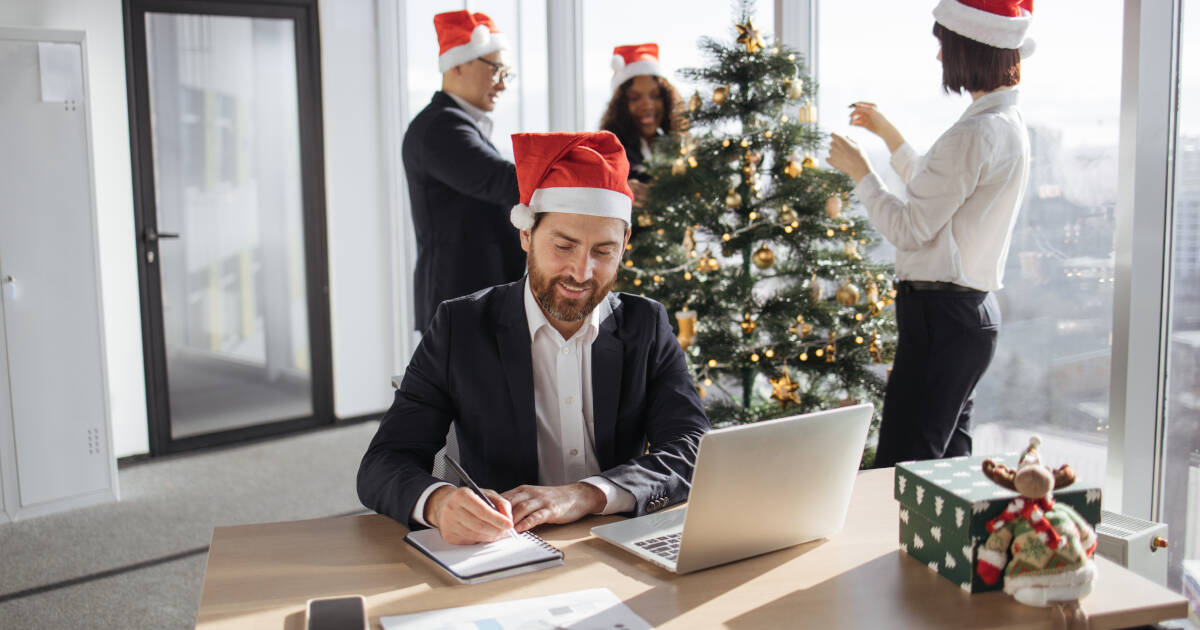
(576, 173)
(997, 23)
(463, 36)
(634, 60)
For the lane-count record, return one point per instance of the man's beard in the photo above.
(559, 307)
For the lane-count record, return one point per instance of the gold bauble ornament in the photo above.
(679, 167)
(848, 294)
(763, 258)
(644, 220)
(687, 328)
(787, 215)
(784, 390)
(748, 325)
(872, 292)
(701, 391)
(695, 102)
(792, 169)
(831, 348)
(689, 241)
(833, 207)
(733, 199)
(749, 36)
(809, 162)
(721, 94)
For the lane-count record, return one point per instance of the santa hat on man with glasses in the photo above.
(463, 36)
(997, 23)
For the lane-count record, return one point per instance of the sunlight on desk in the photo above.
(262, 575)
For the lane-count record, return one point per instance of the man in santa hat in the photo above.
(460, 186)
(567, 399)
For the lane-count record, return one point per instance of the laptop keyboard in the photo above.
(663, 546)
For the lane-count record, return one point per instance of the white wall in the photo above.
(360, 280)
(105, 36)
(359, 276)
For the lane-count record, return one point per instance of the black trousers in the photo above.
(946, 341)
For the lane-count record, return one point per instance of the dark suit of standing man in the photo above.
(460, 187)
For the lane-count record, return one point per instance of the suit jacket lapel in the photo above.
(607, 359)
(516, 359)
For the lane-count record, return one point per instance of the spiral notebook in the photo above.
(470, 564)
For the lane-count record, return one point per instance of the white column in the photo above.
(564, 41)
(1142, 274)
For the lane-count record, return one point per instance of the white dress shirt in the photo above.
(963, 197)
(562, 397)
(481, 118)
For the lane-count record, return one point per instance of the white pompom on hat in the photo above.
(463, 36)
(634, 60)
(997, 23)
(575, 173)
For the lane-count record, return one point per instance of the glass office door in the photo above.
(231, 237)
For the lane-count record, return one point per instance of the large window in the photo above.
(523, 106)
(675, 27)
(1051, 371)
(1181, 491)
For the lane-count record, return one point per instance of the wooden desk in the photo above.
(261, 576)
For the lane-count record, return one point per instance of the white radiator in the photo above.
(1135, 544)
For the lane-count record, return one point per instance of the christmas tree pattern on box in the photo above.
(945, 506)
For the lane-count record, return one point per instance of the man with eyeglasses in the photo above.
(460, 186)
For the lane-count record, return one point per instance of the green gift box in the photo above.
(945, 505)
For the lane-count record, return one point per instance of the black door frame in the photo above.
(303, 13)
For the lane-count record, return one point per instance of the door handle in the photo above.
(152, 235)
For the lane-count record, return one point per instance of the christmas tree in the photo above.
(758, 250)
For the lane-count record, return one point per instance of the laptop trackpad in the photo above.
(635, 529)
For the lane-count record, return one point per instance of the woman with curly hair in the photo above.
(644, 106)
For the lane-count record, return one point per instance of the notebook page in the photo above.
(470, 560)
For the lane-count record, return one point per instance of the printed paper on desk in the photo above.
(593, 609)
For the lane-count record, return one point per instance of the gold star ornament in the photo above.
(750, 37)
(785, 390)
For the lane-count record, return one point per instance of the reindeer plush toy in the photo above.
(1051, 545)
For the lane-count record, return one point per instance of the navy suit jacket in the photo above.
(461, 191)
(474, 366)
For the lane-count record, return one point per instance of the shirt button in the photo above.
(574, 452)
(566, 349)
(570, 400)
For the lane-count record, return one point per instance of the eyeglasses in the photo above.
(500, 72)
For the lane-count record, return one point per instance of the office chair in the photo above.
(441, 469)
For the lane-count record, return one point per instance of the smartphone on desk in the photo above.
(337, 613)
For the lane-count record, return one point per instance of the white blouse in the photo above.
(963, 197)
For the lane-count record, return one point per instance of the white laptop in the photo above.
(756, 488)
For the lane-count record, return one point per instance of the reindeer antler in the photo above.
(1063, 476)
(999, 473)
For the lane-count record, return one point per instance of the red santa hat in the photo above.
(463, 36)
(634, 60)
(997, 23)
(576, 173)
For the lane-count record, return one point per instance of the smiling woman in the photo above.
(643, 106)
